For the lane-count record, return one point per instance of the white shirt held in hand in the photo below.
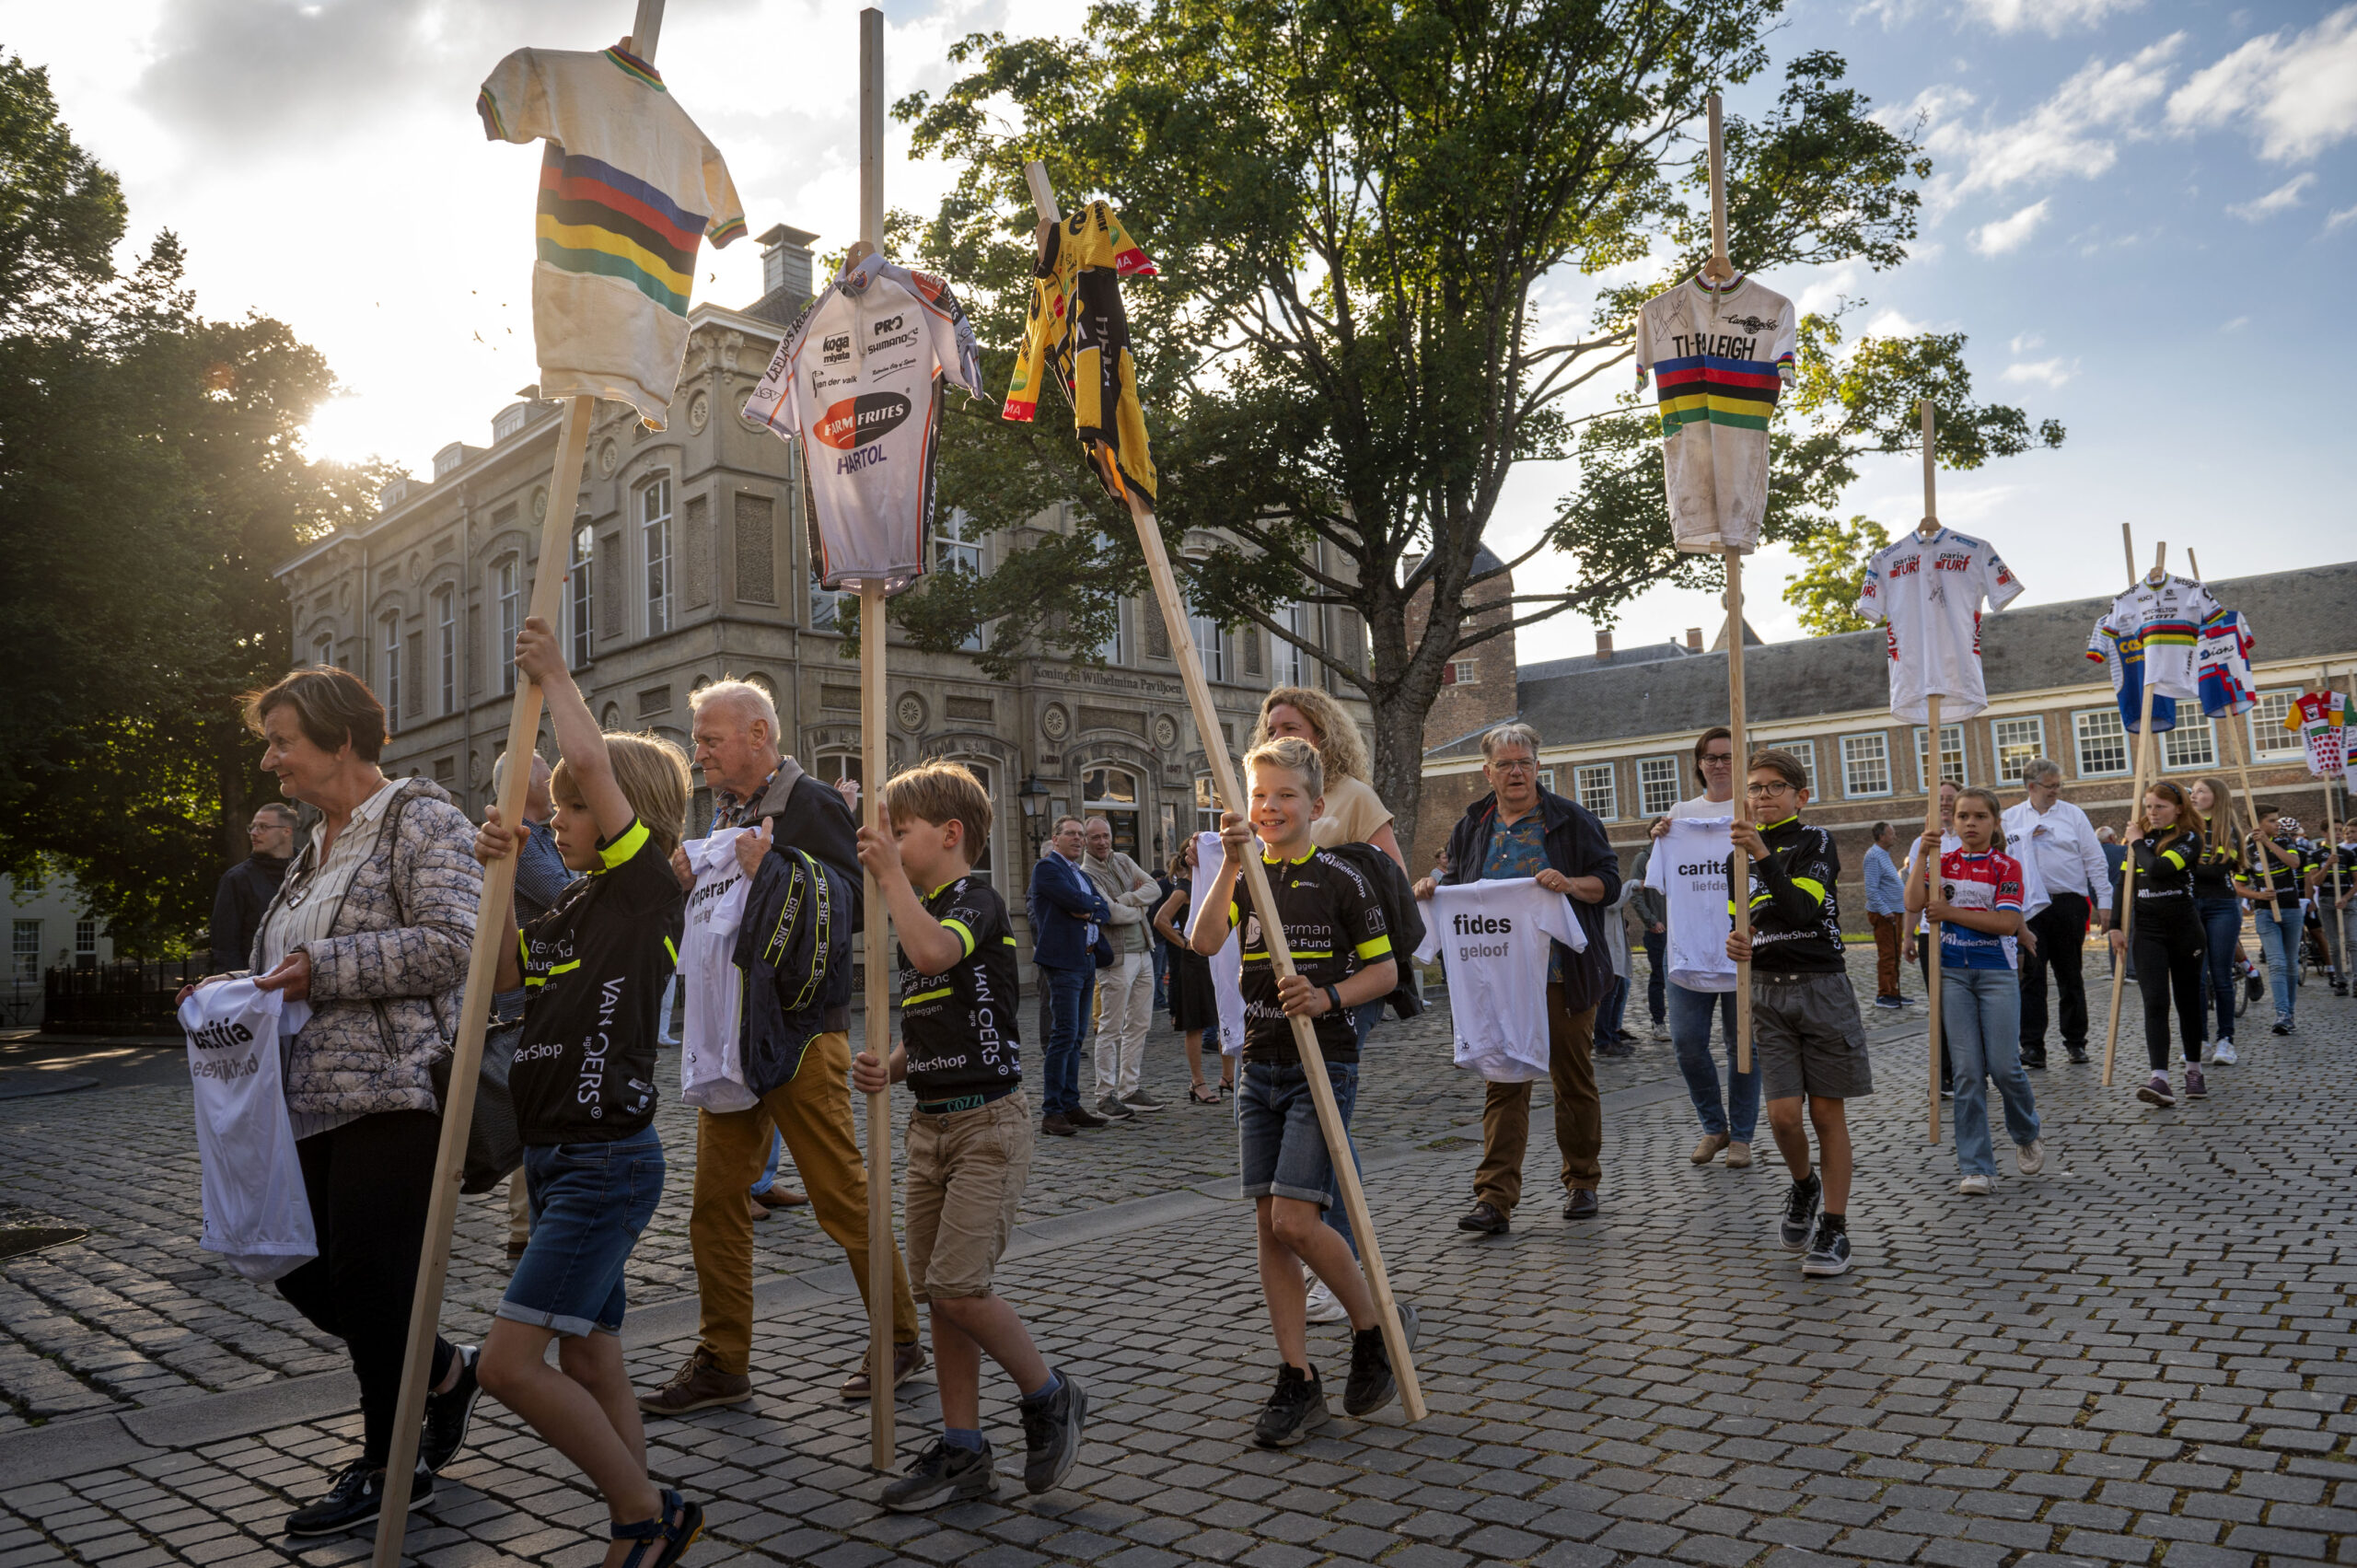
(1227, 964)
(1493, 939)
(711, 1055)
(257, 1212)
(1688, 865)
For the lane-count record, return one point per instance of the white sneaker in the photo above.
(1322, 1307)
(1975, 1185)
(2030, 1158)
(2222, 1054)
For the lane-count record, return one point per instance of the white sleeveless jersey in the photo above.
(712, 1058)
(257, 1214)
(1493, 940)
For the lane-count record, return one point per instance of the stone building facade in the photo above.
(690, 561)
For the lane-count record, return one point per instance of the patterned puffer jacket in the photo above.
(385, 981)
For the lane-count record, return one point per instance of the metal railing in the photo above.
(122, 998)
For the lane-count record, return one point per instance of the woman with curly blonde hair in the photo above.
(1353, 813)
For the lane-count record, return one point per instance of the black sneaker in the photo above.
(356, 1498)
(1372, 1383)
(447, 1415)
(1830, 1254)
(1800, 1209)
(942, 1474)
(1111, 1108)
(1297, 1409)
(2282, 1026)
(1052, 1433)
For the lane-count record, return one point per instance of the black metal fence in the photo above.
(124, 998)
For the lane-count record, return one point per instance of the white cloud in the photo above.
(2045, 372)
(2026, 342)
(2282, 199)
(2051, 16)
(2345, 216)
(2236, 325)
(2075, 133)
(2300, 94)
(2009, 234)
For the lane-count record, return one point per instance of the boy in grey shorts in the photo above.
(1805, 1028)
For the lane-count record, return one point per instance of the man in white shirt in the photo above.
(2049, 833)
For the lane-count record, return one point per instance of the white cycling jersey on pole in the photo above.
(257, 1212)
(2167, 618)
(1689, 867)
(1493, 940)
(711, 1057)
(1227, 964)
(1927, 594)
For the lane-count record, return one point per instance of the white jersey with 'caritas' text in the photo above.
(1689, 866)
(711, 1057)
(1927, 595)
(257, 1210)
(1493, 939)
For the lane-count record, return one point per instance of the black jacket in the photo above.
(810, 816)
(245, 892)
(1576, 846)
(794, 947)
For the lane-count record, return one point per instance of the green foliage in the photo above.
(1825, 592)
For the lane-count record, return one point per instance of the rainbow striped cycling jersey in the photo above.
(1718, 355)
(2166, 618)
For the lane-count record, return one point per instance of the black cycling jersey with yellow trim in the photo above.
(1333, 924)
(959, 1028)
(594, 971)
(2165, 871)
(2265, 870)
(1796, 909)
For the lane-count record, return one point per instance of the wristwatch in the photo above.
(1333, 999)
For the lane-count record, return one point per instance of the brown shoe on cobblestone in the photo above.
(698, 1386)
(781, 1196)
(1707, 1148)
(907, 1361)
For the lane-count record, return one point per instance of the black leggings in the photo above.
(369, 1182)
(2169, 951)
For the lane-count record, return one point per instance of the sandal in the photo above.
(1226, 1089)
(1203, 1094)
(676, 1538)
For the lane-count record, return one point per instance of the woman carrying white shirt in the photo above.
(1729, 1119)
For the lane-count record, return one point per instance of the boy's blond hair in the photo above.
(940, 793)
(1294, 755)
(653, 774)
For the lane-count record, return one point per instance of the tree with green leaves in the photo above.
(1372, 221)
(1833, 573)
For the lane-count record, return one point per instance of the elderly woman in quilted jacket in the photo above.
(371, 927)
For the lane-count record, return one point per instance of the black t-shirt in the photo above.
(959, 1028)
(594, 970)
(2165, 873)
(1333, 923)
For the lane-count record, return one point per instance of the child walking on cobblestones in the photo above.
(594, 968)
(1334, 924)
(2168, 936)
(1808, 1041)
(970, 1132)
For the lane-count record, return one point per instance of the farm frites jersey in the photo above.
(2169, 617)
(2123, 659)
(1927, 596)
(959, 1028)
(629, 188)
(859, 378)
(1980, 883)
(1718, 355)
(2221, 664)
(2321, 719)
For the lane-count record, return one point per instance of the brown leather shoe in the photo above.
(781, 1196)
(1485, 1218)
(1707, 1148)
(698, 1386)
(754, 1207)
(907, 1361)
(1581, 1205)
(1081, 1116)
(1055, 1126)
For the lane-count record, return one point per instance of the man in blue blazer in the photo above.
(1066, 910)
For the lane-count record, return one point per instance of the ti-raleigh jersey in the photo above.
(1927, 594)
(2123, 657)
(959, 1028)
(1688, 865)
(1796, 909)
(2168, 616)
(1495, 940)
(1981, 883)
(711, 1055)
(2321, 719)
(1335, 927)
(595, 969)
(2221, 664)
(629, 188)
(1718, 355)
(860, 376)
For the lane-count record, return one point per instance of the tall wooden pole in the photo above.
(873, 704)
(1719, 268)
(2330, 888)
(2145, 758)
(1304, 1036)
(1932, 1001)
(494, 929)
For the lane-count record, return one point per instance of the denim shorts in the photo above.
(1284, 1152)
(589, 1202)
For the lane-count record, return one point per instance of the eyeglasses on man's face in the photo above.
(1514, 765)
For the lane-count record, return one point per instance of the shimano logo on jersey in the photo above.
(888, 324)
(1482, 926)
(904, 340)
(860, 421)
(835, 348)
(220, 1034)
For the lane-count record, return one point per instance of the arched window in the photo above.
(655, 530)
(1112, 793)
(391, 674)
(446, 646)
(580, 598)
(507, 594)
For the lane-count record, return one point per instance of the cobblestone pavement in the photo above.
(2138, 1357)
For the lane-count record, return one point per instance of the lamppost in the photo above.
(1033, 795)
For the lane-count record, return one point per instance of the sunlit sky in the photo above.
(2138, 214)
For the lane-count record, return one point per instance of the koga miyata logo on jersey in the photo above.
(835, 348)
(855, 424)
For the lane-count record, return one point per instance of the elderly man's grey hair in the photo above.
(1514, 732)
(750, 701)
(2040, 768)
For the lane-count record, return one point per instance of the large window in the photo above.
(1951, 756)
(2015, 741)
(1115, 648)
(24, 950)
(1211, 646)
(508, 592)
(2103, 742)
(2267, 735)
(85, 940)
(1207, 806)
(1865, 765)
(391, 673)
(655, 530)
(323, 650)
(1600, 790)
(1291, 665)
(2191, 743)
(983, 857)
(1657, 784)
(957, 547)
(446, 646)
(1112, 793)
(581, 599)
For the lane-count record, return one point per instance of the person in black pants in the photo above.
(2168, 937)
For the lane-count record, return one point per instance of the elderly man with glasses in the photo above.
(1522, 830)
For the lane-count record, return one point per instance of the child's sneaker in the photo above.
(1051, 1423)
(1800, 1209)
(2222, 1054)
(1372, 1383)
(1296, 1409)
(2195, 1088)
(2030, 1158)
(1830, 1254)
(1975, 1185)
(1320, 1306)
(2156, 1092)
(942, 1474)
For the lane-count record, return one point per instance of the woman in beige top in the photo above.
(1353, 813)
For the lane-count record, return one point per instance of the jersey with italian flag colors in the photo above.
(1927, 595)
(2321, 719)
(2167, 616)
(2221, 664)
(1718, 354)
(2124, 658)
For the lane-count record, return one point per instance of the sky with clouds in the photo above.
(2135, 203)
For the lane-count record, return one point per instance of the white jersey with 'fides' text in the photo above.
(1689, 866)
(1493, 940)
(712, 1058)
(1927, 594)
(257, 1212)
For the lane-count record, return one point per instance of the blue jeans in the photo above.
(1364, 1017)
(1690, 1035)
(1982, 1009)
(589, 1202)
(769, 1171)
(2221, 930)
(1281, 1149)
(2279, 938)
(1068, 994)
(1609, 1013)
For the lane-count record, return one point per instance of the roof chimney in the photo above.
(785, 261)
(1693, 639)
(1604, 647)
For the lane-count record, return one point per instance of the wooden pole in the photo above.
(494, 930)
(1934, 1002)
(2127, 911)
(873, 720)
(1719, 268)
(1313, 1060)
(2330, 888)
